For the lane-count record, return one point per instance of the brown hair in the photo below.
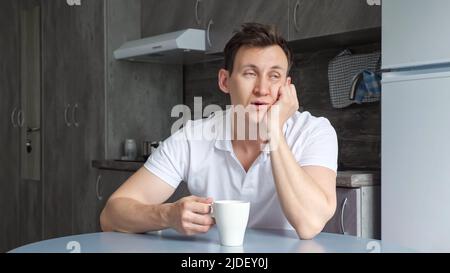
(255, 35)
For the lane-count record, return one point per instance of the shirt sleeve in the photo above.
(320, 148)
(169, 161)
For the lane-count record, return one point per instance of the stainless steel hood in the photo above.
(184, 46)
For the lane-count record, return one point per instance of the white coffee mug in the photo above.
(231, 219)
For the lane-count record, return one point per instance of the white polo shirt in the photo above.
(206, 161)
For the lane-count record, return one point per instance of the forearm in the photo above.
(129, 215)
(304, 203)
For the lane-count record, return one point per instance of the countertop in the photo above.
(352, 179)
(169, 241)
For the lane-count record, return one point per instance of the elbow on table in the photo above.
(104, 223)
(307, 230)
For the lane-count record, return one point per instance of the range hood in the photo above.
(184, 46)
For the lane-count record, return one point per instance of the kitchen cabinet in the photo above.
(20, 183)
(357, 212)
(219, 18)
(224, 17)
(10, 135)
(73, 113)
(316, 18)
(171, 15)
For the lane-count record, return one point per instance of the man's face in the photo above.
(257, 76)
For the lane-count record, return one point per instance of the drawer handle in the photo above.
(344, 204)
(97, 188)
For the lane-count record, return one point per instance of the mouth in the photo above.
(259, 104)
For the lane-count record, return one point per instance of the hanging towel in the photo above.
(370, 86)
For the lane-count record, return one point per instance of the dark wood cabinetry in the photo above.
(10, 132)
(73, 113)
(315, 18)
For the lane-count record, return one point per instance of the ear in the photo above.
(288, 80)
(223, 80)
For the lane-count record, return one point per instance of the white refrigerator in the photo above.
(415, 167)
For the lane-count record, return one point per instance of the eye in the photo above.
(249, 74)
(274, 76)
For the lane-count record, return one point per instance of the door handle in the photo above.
(20, 119)
(66, 119)
(344, 204)
(297, 5)
(13, 113)
(32, 130)
(74, 115)
(208, 30)
(197, 18)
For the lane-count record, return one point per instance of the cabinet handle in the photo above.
(297, 5)
(66, 110)
(208, 36)
(13, 113)
(74, 115)
(97, 188)
(20, 119)
(344, 204)
(197, 19)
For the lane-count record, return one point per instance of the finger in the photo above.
(199, 207)
(195, 228)
(293, 90)
(201, 219)
(288, 80)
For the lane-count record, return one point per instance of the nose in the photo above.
(262, 87)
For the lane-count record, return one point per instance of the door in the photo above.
(30, 186)
(225, 17)
(325, 17)
(87, 113)
(59, 68)
(415, 150)
(9, 119)
(172, 15)
(413, 33)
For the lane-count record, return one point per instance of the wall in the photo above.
(358, 127)
(139, 96)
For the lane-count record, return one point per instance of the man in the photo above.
(287, 173)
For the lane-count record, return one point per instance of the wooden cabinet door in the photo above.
(30, 184)
(87, 113)
(58, 21)
(227, 16)
(171, 15)
(10, 133)
(312, 18)
(346, 218)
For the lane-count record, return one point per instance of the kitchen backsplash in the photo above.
(358, 127)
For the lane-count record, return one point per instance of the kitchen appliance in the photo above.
(415, 179)
(184, 46)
